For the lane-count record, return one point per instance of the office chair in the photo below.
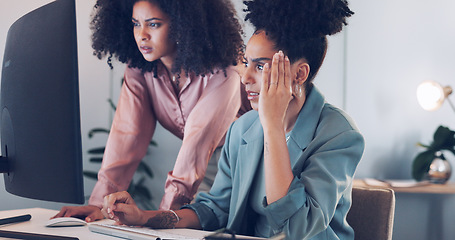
(372, 212)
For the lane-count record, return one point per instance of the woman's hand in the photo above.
(121, 207)
(274, 100)
(91, 213)
(276, 92)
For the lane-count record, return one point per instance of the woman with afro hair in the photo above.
(287, 166)
(180, 56)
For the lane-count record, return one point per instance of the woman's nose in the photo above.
(247, 77)
(143, 35)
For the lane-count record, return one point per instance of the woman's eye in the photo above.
(245, 63)
(135, 24)
(154, 25)
(260, 67)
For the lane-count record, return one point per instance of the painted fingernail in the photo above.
(287, 59)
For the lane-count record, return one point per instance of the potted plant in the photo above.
(443, 140)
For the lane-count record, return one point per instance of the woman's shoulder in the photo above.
(224, 73)
(333, 116)
(244, 122)
(131, 72)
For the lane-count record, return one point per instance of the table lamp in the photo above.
(431, 95)
(431, 164)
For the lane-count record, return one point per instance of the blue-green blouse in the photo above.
(325, 148)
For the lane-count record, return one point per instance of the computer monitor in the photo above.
(40, 118)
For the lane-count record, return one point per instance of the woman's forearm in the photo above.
(185, 218)
(277, 165)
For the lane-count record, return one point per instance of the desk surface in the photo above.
(40, 217)
(447, 188)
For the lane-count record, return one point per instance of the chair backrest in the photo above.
(372, 212)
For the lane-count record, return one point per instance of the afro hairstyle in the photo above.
(299, 27)
(207, 32)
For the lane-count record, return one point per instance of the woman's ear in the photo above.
(302, 72)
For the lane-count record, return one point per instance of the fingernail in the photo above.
(87, 219)
(287, 59)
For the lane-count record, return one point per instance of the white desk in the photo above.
(40, 216)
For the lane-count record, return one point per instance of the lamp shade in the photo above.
(431, 95)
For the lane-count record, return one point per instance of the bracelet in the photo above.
(177, 216)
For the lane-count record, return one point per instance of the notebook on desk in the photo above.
(142, 233)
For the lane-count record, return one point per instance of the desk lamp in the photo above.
(431, 95)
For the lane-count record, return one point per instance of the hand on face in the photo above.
(276, 91)
(121, 207)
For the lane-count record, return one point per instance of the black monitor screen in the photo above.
(40, 118)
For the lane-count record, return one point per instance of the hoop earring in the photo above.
(298, 90)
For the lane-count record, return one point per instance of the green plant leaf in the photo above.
(92, 175)
(112, 104)
(143, 167)
(443, 139)
(143, 192)
(423, 145)
(421, 164)
(96, 160)
(94, 131)
(99, 150)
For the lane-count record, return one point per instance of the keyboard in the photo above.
(136, 233)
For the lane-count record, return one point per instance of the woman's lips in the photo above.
(146, 50)
(252, 95)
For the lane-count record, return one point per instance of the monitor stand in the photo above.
(4, 166)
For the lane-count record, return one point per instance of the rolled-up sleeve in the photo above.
(131, 131)
(315, 193)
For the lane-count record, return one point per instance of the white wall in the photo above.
(391, 46)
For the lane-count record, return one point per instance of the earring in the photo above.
(298, 90)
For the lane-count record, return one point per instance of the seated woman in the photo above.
(288, 166)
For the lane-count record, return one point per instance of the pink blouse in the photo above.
(200, 115)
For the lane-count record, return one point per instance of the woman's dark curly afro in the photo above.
(207, 32)
(299, 27)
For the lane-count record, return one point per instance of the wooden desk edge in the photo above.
(447, 188)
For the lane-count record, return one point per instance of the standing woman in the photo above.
(180, 55)
(287, 166)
